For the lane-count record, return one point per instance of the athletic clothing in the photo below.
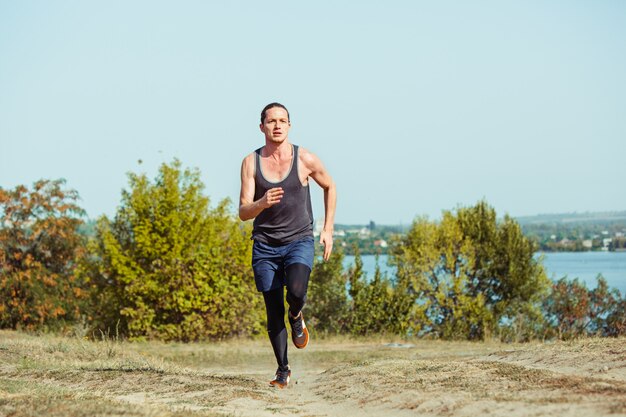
(270, 262)
(275, 309)
(283, 251)
(292, 218)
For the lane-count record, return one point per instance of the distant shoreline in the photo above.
(582, 265)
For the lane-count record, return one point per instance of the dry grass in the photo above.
(55, 376)
(66, 377)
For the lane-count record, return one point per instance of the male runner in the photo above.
(275, 193)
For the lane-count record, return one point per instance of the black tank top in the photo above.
(292, 218)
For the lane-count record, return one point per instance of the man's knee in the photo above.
(297, 285)
(295, 303)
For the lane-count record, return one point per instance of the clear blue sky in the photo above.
(415, 107)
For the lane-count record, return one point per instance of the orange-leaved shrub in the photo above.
(39, 250)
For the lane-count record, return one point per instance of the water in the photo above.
(587, 266)
(369, 264)
(583, 265)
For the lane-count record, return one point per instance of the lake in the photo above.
(583, 265)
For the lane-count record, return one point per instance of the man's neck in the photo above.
(282, 149)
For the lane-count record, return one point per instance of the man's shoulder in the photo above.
(248, 163)
(306, 156)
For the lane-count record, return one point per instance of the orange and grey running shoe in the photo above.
(281, 379)
(299, 332)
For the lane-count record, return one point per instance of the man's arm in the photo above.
(248, 208)
(321, 176)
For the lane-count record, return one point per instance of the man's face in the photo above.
(276, 125)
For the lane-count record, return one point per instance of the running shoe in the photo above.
(299, 332)
(281, 379)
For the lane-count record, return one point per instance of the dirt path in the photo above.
(584, 378)
(303, 397)
(60, 377)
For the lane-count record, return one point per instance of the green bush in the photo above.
(472, 274)
(170, 267)
(327, 310)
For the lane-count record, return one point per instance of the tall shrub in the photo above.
(39, 249)
(379, 305)
(328, 307)
(573, 310)
(170, 267)
(472, 274)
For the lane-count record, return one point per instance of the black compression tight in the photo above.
(297, 284)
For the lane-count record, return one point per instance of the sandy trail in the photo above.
(303, 397)
(568, 379)
(66, 377)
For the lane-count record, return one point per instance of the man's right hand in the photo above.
(272, 197)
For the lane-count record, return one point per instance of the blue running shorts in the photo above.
(269, 262)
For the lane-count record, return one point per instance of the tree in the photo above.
(379, 305)
(567, 308)
(513, 282)
(327, 289)
(617, 243)
(170, 267)
(439, 262)
(367, 307)
(615, 321)
(39, 249)
(472, 274)
(572, 310)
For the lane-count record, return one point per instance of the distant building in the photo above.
(364, 233)
(587, 244)
(381, 243)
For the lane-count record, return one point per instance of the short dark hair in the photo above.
(271, 106)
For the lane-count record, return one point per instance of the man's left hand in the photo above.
(326, 239)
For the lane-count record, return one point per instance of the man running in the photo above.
(275, 193)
